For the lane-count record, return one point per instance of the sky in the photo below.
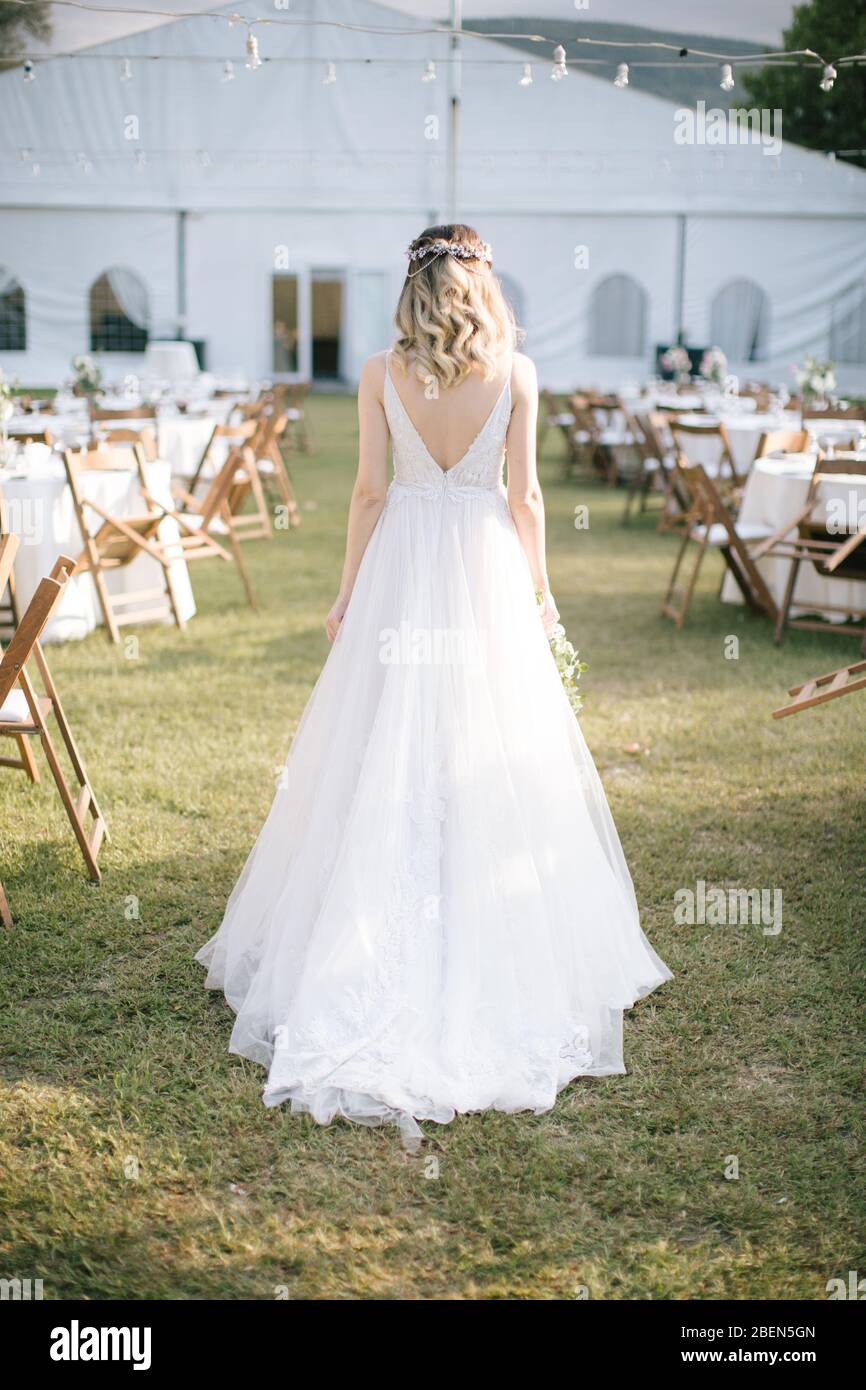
(761, 20)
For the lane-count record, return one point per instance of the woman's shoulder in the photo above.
(373, 372)
(524, 380)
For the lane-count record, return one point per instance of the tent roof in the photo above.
(279, 138)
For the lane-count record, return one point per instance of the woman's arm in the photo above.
(371, 482)
(525, 501)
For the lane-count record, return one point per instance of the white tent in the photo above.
(267, 216)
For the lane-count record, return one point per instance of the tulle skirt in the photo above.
(437, 916)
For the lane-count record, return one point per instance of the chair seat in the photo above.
(718, 534)
(15, 709)
(564, 419)
(265, 465)
(613, 438)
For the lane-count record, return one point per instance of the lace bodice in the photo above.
(414, 465)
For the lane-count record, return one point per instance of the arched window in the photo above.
(13, 314)
(118, 312)
(514, 296)
(617, 318)
(740, 321)
(848, 326)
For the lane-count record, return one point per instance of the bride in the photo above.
(437, 916)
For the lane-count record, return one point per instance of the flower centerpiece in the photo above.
(714, 366)
(88, 376)
(815, 379)
(677, 361)
(8, 387)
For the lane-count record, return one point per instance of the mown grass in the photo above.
(136, 1158)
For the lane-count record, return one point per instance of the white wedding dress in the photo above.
(437, 916)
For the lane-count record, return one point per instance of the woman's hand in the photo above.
(548, 611)
(335, 617)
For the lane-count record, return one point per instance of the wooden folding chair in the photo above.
(290, 398)
(554, 414)
(272, 468)
(223, 439)
(146, 437)
(36, 437)
(820, 689)
(119, 540)
(25, 714)
(782, 442)
(654, 467)
(9, 615)
(585, 441)
(219, 511)
(831, 554)
(710, 525)
(686, 431)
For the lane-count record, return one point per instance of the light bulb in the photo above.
(228, 71)
(429, 73)
(526, 79)
(29, 71)
(828, 78)
(330, 75)
(621, 79)
(560, 69)
(727, 81)
(253, 59)
(125, 70)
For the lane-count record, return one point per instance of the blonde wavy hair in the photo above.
(452, 316)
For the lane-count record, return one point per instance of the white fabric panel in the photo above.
(802, 265)
(57, 255)
(740, 321)
(130, 291)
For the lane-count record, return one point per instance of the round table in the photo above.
(744, 433)
(776, 490)
(41, 511)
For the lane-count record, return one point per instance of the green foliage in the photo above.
(834, 120)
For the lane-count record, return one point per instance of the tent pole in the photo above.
(680, 285)
(181, 273)
(454, 75)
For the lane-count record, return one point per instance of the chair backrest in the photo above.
(146, 437)
(685, 430)
(36, 437)
(843, 545)
(782, 442)
(652, 427)
(29, 630)
(122, 458)
(833, 412)
(8, 550)
(134, 412)
(222, 491)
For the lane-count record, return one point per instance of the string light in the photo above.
(526, 79)
(29, 71)
(621, 79)
(125, 70)
(330, 75)
(828, 78)
(429, 73)
(228, 71)
(560, 70)
(253, 59)
(727, 82)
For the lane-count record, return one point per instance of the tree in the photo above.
(834, 120)
(18, 23)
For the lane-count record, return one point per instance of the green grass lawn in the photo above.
(136, 1158)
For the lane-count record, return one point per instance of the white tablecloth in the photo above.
(744, 433)
(775, 491)
(40, 507)
(181, 439)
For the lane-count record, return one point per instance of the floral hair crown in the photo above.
(461, 250)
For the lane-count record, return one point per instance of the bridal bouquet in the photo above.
(568, 664)
(714, 366)
(814, 378)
